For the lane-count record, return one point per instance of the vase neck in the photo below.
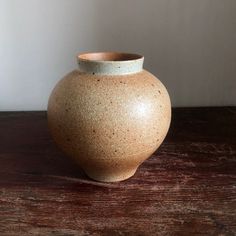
(110, 63)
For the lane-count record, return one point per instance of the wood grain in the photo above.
(187, 188)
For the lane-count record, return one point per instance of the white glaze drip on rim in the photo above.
(110, 63)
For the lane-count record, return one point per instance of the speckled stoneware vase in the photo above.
(109, 115)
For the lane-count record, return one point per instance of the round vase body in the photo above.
(110, 115)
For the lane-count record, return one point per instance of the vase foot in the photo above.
(104, 177)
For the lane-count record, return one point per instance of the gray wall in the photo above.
(189, 44)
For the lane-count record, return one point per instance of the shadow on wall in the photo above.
(129, 27)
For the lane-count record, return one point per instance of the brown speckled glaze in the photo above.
(109, 124)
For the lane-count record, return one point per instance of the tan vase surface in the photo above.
(109, 115)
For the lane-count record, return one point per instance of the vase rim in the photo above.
(109, 56)
(110, 63)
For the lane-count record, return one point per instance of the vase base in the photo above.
(103, 177)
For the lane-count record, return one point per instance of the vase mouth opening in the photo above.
(110, 63)
(109, 57)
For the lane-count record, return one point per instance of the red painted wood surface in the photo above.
(187, 188)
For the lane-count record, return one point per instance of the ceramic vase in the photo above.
(109, 115)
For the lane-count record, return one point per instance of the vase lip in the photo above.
(109, 56)
(111, 63)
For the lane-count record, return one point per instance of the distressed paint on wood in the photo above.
(188, 187)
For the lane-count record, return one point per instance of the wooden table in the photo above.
(187, 188)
